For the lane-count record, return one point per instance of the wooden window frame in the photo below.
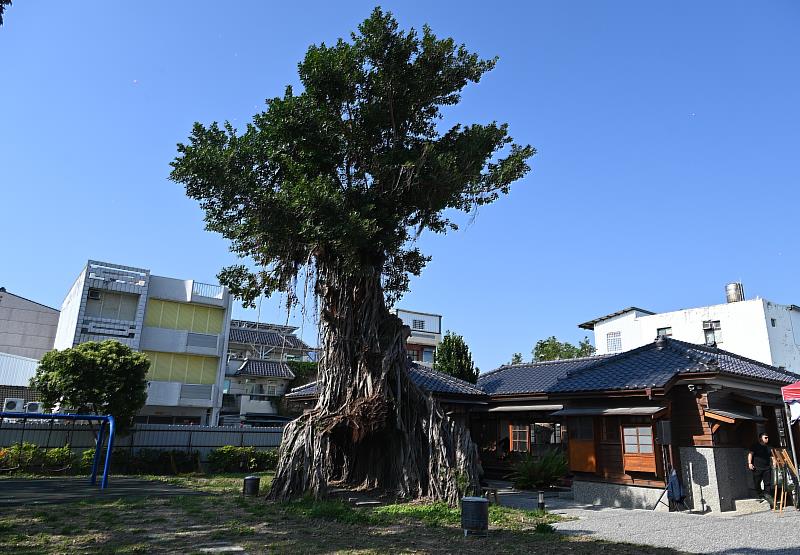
(511, 430)
(636, 461)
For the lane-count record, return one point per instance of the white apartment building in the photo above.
(426, 334)
(755, 328)
(181, 325)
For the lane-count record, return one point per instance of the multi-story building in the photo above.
(27, 328)
(257, 375)
(755, 328)
(181, 325)
(426, 334)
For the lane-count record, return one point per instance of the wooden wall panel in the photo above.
(688, 426)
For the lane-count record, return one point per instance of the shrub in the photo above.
(59, 458)
(539, 473)
(241, 459)
(145, 461)
(266, 460)
(26, 456)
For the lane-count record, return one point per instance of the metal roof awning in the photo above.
(731, 416)
(757, 398)
(606, 411)
(525, 408)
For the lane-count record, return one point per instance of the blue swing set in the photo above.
(75, 417)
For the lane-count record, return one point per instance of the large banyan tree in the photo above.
(336, 183)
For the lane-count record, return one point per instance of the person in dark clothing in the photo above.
(759, 461)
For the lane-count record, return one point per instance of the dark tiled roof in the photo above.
(309, 389)
(590, 324)
(426, 378)
(439, 382)
(730, 363)
(265, 369)
(655, 364)
(264, 337)
(531, 377)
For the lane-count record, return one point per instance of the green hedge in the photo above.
(146, 461)
(28, 457)
(242, 459)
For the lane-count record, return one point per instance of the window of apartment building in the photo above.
(418, 324)
(638, 439)
(272, 389)
(712, 331)
(614, 341)
(773, 321)
(414, 355)
(111, 305)
(519, 435)
(184, 316)
(664, 332)
(427, 355)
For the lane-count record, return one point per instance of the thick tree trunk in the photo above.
(372, 427)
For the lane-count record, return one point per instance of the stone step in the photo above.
(751, 506)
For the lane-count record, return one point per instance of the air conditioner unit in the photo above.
(33, 406)
(94, 294)
(13, 404)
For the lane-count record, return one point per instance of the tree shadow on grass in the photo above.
(188, 524)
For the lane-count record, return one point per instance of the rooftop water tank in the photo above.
(734, 292)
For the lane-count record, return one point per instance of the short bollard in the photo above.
(251, 484)
(475, 516)
(541, 500)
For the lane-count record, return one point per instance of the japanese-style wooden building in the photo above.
(625, 419)
(456, 396)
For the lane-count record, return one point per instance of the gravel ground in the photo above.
(756, 533)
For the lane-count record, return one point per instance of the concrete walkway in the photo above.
(729, 533)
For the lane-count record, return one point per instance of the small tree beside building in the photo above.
(95, 377)
(453, 357)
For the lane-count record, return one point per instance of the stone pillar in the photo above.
(714, 477)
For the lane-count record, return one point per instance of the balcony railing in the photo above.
(206, 290)
(113, 274)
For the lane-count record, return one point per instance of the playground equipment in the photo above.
(24, 416)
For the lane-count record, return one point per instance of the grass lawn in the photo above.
(223, 518)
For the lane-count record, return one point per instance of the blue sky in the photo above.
(668, 137)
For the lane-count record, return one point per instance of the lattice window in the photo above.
(614, 341)
(520, 438)
(638, 439)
